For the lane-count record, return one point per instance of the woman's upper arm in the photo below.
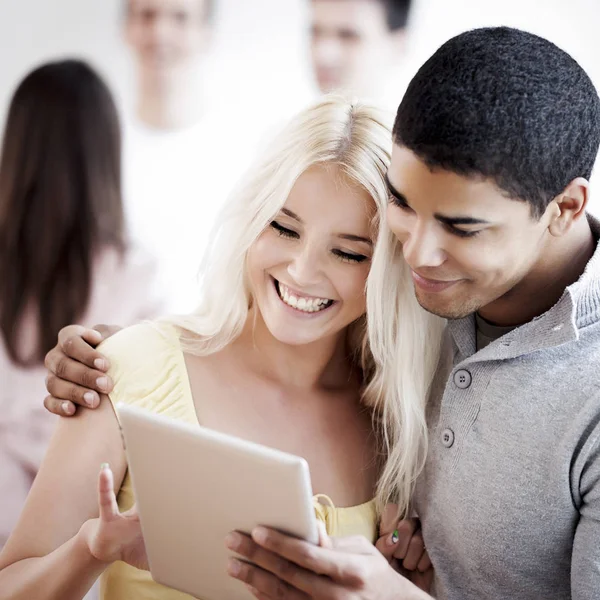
(64, 493)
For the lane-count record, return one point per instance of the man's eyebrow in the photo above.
(453, 221)
(450, 221)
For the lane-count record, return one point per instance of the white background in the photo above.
(260, 45)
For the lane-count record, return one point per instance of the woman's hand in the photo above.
(77, 372)
(114, 535)
(401, 543)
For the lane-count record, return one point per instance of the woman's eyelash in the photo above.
(283, 231)
(344, 256)
(347, 257)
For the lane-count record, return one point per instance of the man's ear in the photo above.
(568, 207)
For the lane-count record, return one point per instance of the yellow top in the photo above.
(148, 370)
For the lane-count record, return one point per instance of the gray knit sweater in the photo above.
(510, 496)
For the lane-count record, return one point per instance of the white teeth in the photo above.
(303, 304)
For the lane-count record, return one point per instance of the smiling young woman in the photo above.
(277, 353)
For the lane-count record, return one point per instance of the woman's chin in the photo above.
(293, 338)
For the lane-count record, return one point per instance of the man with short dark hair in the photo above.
(494, 144)
(358, 45)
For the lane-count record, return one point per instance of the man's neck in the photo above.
(176, 104)
(563, 265)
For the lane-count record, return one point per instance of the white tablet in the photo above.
(194, 485)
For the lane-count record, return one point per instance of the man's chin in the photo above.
(444, 310)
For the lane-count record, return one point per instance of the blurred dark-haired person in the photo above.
(360, 46)
(64, 253)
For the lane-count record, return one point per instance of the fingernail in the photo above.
(260, 535)
(67, 408)
(90, 399)
(100, 364)
(102, 383)
(394, 538)
(234, 567)
(104, 466)
(233, 541)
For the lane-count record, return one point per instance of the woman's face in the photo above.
(308, 269)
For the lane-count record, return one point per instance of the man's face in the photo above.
(167, 36)
(468, 245)
(352, 47)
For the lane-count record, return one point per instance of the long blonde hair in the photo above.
(396, 364)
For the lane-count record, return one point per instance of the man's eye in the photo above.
(283, 231)
(399, 203)
(181, 17)
(464, 234)
(347, 35)
(147, 16)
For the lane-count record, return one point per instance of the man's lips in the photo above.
(432, 285)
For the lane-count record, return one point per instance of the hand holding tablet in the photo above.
(193, 486)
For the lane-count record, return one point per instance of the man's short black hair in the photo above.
(396, 12)
(505, 105)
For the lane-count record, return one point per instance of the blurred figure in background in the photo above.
(359, 46)
(169, 40)
(181, 157)
(63, 250)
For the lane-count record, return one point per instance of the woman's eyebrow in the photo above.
(291, 214)
(355, 238)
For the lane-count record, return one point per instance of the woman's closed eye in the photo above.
(284, 231)
(349, 256)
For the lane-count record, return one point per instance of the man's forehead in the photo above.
(348, 12)
(187, 5)
(420, 184)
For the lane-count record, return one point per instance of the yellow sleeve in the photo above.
(148, 370)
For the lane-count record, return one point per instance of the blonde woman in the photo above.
(277, 353)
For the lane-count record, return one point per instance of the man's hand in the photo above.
(77, 372)
(341, 568)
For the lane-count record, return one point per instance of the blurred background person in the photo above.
(169, 41)
(182, 156)
(64, 254)
(360, 46)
